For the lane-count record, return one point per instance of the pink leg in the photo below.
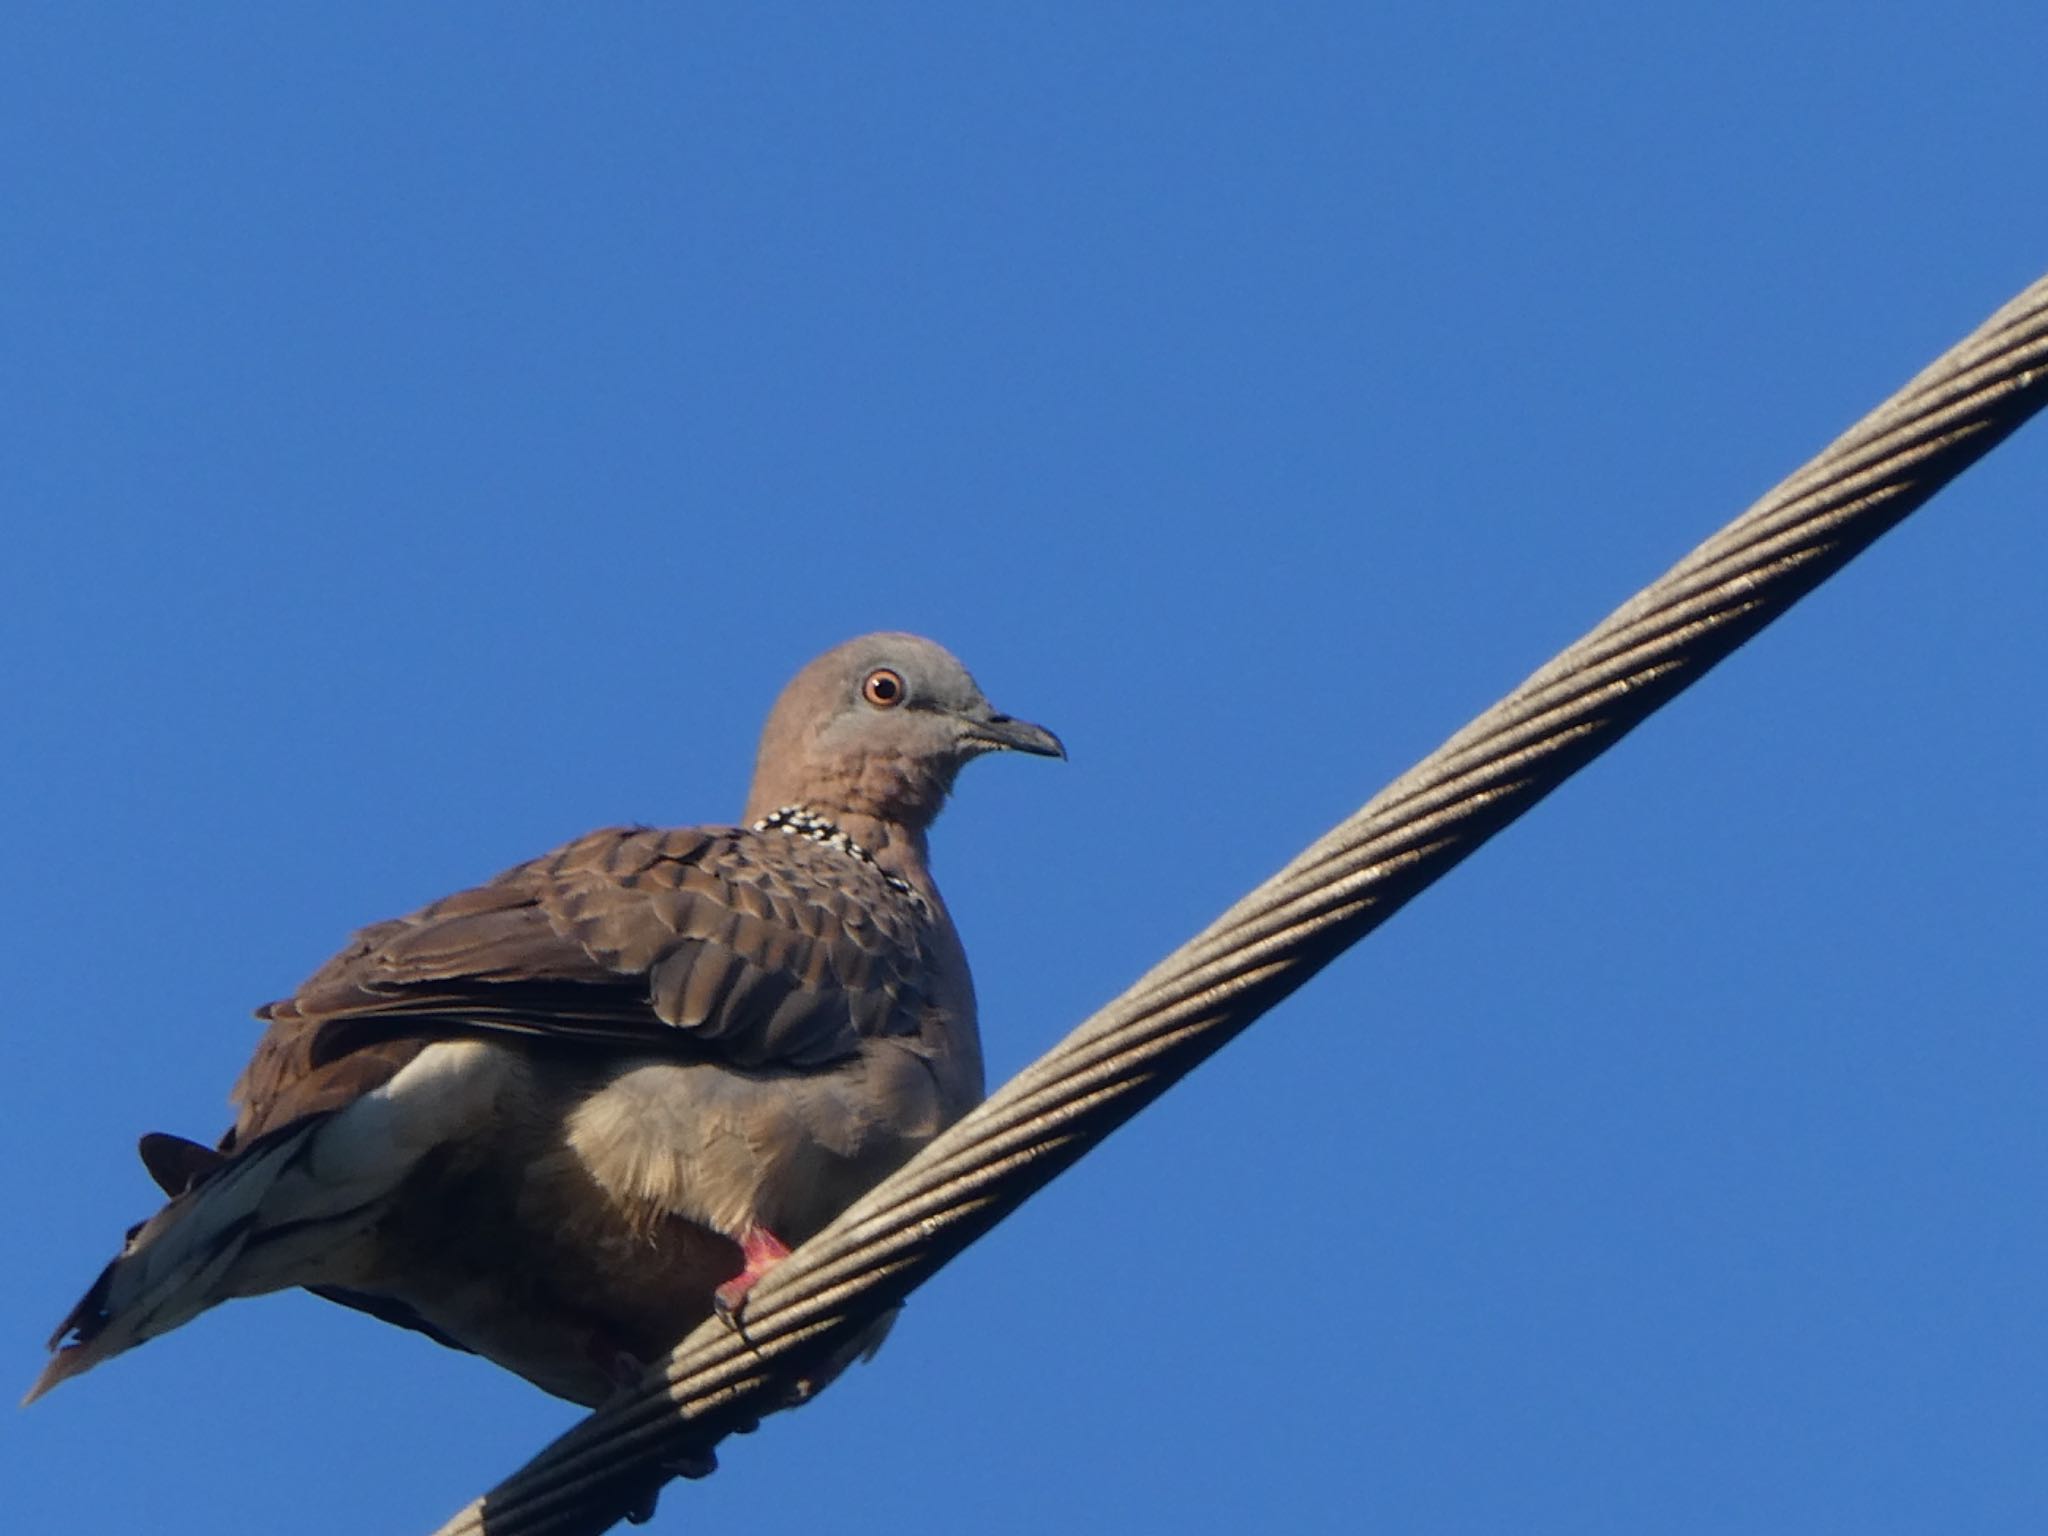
(762, 1250)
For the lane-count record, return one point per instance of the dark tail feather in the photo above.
(175, 1163)
(184, 1259)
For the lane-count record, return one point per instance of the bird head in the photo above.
(876, 729)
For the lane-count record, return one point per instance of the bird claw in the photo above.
(691, 1465)
(727, 1301)
(761, 1250)
(684, 1464)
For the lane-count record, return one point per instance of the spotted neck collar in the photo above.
(802, 821)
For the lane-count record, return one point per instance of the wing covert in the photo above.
(759, 949)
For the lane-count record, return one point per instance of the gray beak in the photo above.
(1000, 733)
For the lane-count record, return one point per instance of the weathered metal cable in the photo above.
(816, 1305)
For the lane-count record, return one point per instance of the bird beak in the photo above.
(1000, 733)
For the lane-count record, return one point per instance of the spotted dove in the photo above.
(559, 1118)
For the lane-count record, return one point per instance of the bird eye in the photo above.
(883, 688)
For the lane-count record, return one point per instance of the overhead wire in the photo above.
(816, 1308)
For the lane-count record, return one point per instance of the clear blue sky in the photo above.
(429, 432)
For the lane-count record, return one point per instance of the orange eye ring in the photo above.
(883, 688)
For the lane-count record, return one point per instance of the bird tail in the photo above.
(259, 1221)
(291, 1207)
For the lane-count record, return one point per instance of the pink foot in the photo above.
(762, 1250)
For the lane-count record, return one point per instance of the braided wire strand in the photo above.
(812, 1310)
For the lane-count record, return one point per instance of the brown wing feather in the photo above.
(761, 949)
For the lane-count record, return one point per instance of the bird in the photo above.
(560, 1118)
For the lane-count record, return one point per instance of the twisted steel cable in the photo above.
(814, 1310)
